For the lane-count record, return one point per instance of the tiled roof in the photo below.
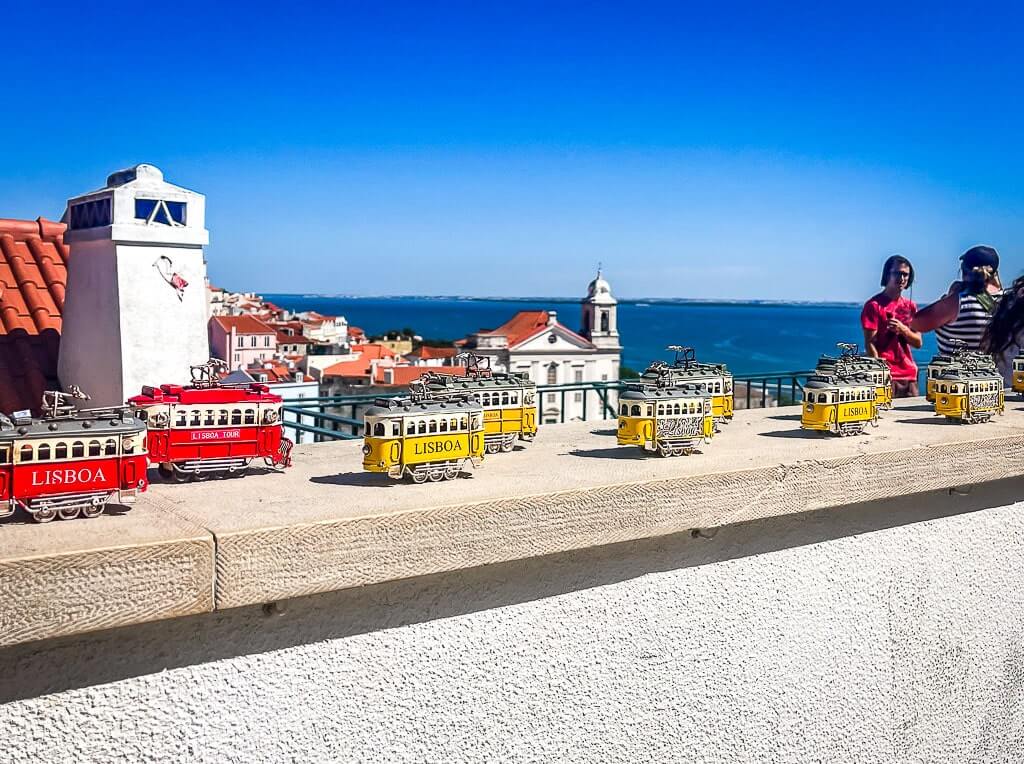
(292, 339)
(33, 278)
(523, 324)
(360, 367)
(403, 375)
(243, 325)
(428, 353)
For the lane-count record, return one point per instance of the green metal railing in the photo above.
(338, 417)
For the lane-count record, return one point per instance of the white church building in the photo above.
(534, 342)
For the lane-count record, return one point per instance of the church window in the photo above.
(604, 320)
(552, 373)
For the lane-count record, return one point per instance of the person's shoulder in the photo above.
(876, 300)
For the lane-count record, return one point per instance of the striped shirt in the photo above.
(968, 326)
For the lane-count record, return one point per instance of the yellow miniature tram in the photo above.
(509, 400)
(843, 404)
(936, 368)
(713, 379)
(423, 439)
(668, 420)
(969, 394)
(1018, 375)
(875, 369)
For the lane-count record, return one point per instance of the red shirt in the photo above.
(892, 347)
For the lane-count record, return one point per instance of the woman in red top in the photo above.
(886, 321)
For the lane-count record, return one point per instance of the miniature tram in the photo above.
(874, 369)
(70, 461)
(509, 400)
(713, 379)
(1018, 375)
(970, 393)
(423, 438)
(666, 419)
(843, 403)
(208, 428)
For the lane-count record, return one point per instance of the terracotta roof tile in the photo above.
(33, 281)
(403, 375)
(243, 325)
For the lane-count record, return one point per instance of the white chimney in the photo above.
(552, 318)
(135, 310)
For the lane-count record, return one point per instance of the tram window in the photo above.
(94, 448)
(661, 409)
(463, 423)
(396, 428)
(433, 426)
(485, 399)
(236, 416)
(181, 419)
(636, 410)
(26, 453)
(625, 409)
(513, 399)
(110, 447)
(455, 424)
(410, 427)
(444, 425)
(196, 417)
(43, 452)
(250, 416)
(378, 430)
(421, 428)
(77, 449)
(60, 451)
(504, 399)
(5, 454)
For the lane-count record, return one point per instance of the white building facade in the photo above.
(136, 305)
(537, 344)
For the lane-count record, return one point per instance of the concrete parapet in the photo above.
(325, 525)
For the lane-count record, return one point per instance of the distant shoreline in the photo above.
(690, 301)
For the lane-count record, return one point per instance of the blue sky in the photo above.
(735, 151)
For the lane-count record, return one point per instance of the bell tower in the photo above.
(600, 320)
(135, 307)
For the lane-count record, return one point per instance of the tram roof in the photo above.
(87, 423)
(406, 406)
(252, 392)
(462, 384)
(652, 393)
(970, 374)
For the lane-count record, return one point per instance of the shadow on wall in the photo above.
(40, 668)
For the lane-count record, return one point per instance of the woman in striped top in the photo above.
(966, 310)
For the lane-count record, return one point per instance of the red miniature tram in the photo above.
(70, 461)
(210, 428)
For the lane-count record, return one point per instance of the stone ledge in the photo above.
(69, 577)
(325, 525)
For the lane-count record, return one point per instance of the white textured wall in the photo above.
(876, 633)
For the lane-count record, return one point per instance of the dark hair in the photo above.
(891, 263)
(1007, 321)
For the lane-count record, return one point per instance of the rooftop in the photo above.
(243, 325)
(33, 278)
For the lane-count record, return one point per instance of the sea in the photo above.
(751, 337)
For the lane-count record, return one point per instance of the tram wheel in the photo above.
(44, 515)
(68, 513)
(94, 510)
(165, 471)
(492, 447)
(451, 473)
(666, 450)
(436, 476)
(508, 445)
(419, 476)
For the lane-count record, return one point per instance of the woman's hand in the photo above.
(895, 325)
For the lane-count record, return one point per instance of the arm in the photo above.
(869, 342)
(937, 314)
(913, 338)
